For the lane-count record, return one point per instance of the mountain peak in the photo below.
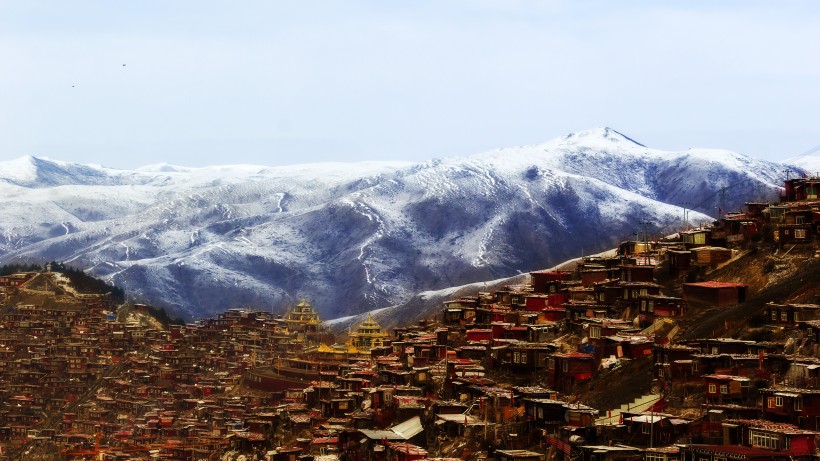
(36, 172)
(604, 134)
(22, 169)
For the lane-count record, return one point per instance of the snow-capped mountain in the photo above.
(355, 237)
(808, 162)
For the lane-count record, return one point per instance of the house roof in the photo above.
(726, 377)
(460, 418)
(402, 431)
(737, 450)
(714, 285)
(519, 453)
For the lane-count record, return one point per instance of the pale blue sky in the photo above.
(267, 82)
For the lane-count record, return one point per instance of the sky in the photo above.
(202, 82)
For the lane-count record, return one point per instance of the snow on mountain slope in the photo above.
(356, 237)
(808, 162)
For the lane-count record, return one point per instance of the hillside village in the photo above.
(664, 351)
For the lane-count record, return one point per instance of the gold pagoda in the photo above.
(302, 318)
(369, 335)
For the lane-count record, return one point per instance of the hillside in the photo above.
(68, 365)
(790, 276)
(357, 237)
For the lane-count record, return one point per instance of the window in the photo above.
(594, 332)
(800, 233)
(565, 366)
(774, 314)
(724, 389)
(712, 388)
(798, 404)
(645, 428)
(778, 401)
(784, 316)
(700, 239)
(763, 440)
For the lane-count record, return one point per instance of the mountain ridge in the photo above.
(355, 237)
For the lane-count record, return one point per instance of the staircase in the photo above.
(640, 404)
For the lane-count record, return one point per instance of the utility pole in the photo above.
(685, 205)
(722, 204)
(645, 241)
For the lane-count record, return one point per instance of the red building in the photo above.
(571, 368)
(716, 294)
(792, 405)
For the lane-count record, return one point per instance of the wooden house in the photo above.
(736, 228)
(800, 232)
(679, 260)
(797, 406)
(784, 438)
(654, 306)
(726, 388)
(566, 369)
(667, 353)
(791, 314)
(653, 429)
(637, 273)
(548, 281)
(593, 274)
(479, 335)
(717, 294)
(801, 189)
(545, 412)
(460, 311)
(523, 358)
(710, 256)
(696, 238)
(543, 301)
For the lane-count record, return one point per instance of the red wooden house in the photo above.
(548, 281)
(716, 294)
(636, 273)
(566, 369)
(792, 405)
(790, 314)
(726, 388)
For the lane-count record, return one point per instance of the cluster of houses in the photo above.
(500, 375)
(794, 220)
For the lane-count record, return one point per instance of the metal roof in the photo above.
(402, 431)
